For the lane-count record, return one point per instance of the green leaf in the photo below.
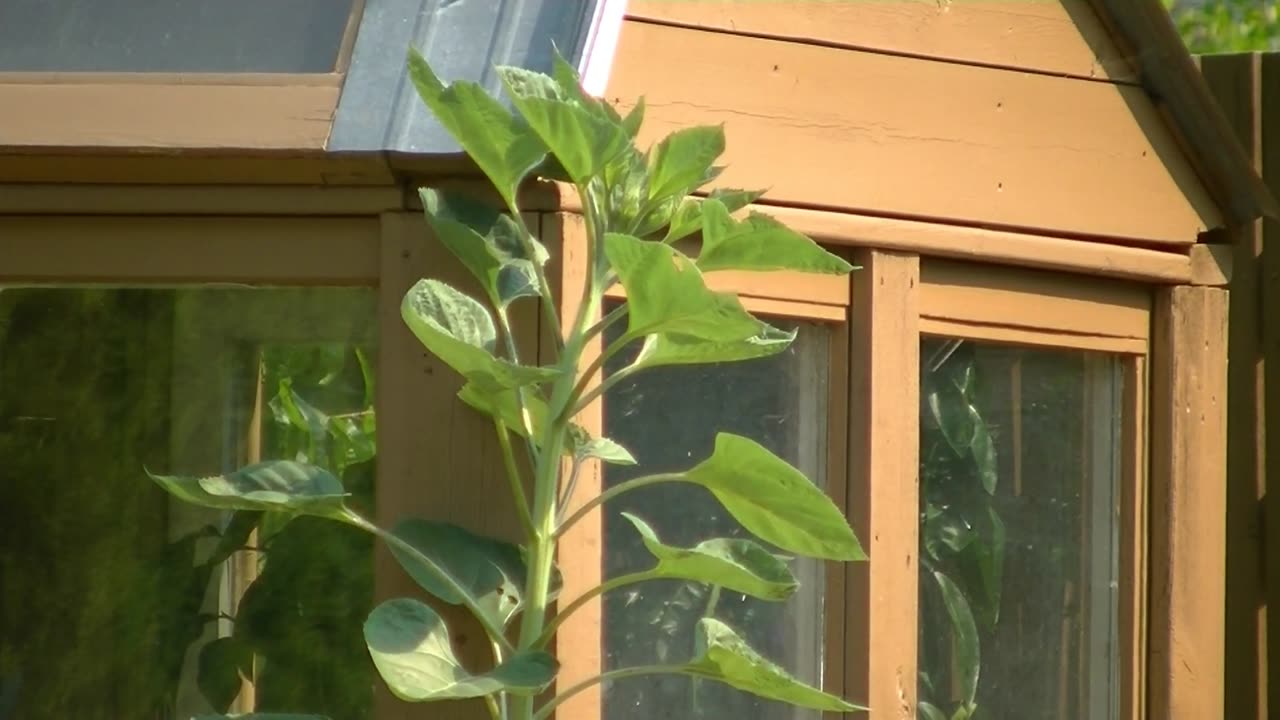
(687, 219)
(410, 647)
(928, 711)
(670, 349)
(984, 451)
(582, 446)
(488, 242)
(235, 535)
(503, 147)
(991, 567)
(633, 119)
(667, 294)
(682, 161)
(739, 565)
(491, 572)
(774, 500)
(459, 331)
(727, 658)
(759, 243)
(505, 406)
(219, 668)
(277, 485)
(965, 635)
(583, 140)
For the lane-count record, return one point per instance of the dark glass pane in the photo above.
(115, 599)
(668, 418)
(1019, 467)
(216, 36)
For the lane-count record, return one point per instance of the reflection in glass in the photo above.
(668, 418)
(117, 601)
(176, 36)
(1019, 467)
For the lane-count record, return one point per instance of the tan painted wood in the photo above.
(579, 641)
(1034, 301)
(313, 200)
(287, 251)
(209, 167)
(834, 128)
(766, 305)
(1134, 511)
(1188, 517)
(175, 116)
(1211, 264)
(453, 472)
(1269, 297)
(1011, 335)
(835, 619)
(1062, 38)
(883, 496)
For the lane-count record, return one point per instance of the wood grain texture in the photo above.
(883, 496)
(902, 136)
(190, 249)
(1211, 264)
(159, 116)
(1134, 547)
(1188, 504)
(1061, 38)
(208, 167)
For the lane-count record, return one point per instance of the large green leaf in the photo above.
(759, 243)
(219, 668)
(277, 485)
(459, 331)
(687, 219)
(682, 161)
(503, 147)
(667, 294)
(739, 565)
(774, 500)
(670, 349)
(410, 647)
(727, 658)
(489, 243)
(582, 139)
(490, 572)
(965, 635)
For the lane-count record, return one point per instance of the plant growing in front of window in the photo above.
(636, 206)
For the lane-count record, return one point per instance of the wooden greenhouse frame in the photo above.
(1047, 173)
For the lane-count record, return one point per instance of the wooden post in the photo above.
(1269, 292)
(883, 497)
(1188, 503)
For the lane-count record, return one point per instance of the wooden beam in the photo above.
(883, 496)
(1188, 506)
(1211, 264)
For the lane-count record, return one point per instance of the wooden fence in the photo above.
(1248, 89)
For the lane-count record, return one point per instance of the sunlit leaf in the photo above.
(735, 564)
(277, 485)
(687, 218)
(490, 572)
(682, 161)
(671, 349)
(759, 243)
(410, 647)
(583, 446)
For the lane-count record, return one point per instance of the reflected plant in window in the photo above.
(640, 217)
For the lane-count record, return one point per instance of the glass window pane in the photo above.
(668, 418)
(118, 601)
(1019, 472)
(227, 36)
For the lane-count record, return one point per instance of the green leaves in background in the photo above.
(490, 572)
(739, 565)
(278, 485)
(410, 647)
(220, 667)
(965, 638)
(759, 243)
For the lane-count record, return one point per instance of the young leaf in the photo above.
(669, 349)
(488, 243)
(631, 123)
(666, 294)
(775, 501)
(491, 572)
(583, 446)
(277, 485)
(687, 219)
(459, 331)
(968, 653)
(504, 148)
(726, 657)
(410, 647)
(759, 243)
(682, 161)
(738, 565)
(582, 140)
(219, 667)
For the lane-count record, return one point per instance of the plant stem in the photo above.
(607, 586)
(513, 475)
(618, 674)
(603, 388)
(490, 627)
(615, 491)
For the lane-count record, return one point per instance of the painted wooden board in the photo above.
(1049, 36)
(902, 136)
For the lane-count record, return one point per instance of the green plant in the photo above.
(1218, 26)
(637, 206)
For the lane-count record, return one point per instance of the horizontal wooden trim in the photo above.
(256, 251)
(903, 136)
(800, 287)
(166, 116)
(1211, 264)
(1032, 337)
(1063, 38)
(772, 306)
(57, 199)
(205, 167)
(1034, 301)
(143, 78)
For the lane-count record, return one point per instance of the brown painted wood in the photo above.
(883, 496)
(833, 128)
(1211, 264)
(1186, 664)
(102, 199)
(1269, 285)
(835, 576)
(1061, 38)
(119, 166)
(1134, 548)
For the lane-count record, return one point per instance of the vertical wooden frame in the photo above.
(1186, 664)
(884, 431)
(1133, 539)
